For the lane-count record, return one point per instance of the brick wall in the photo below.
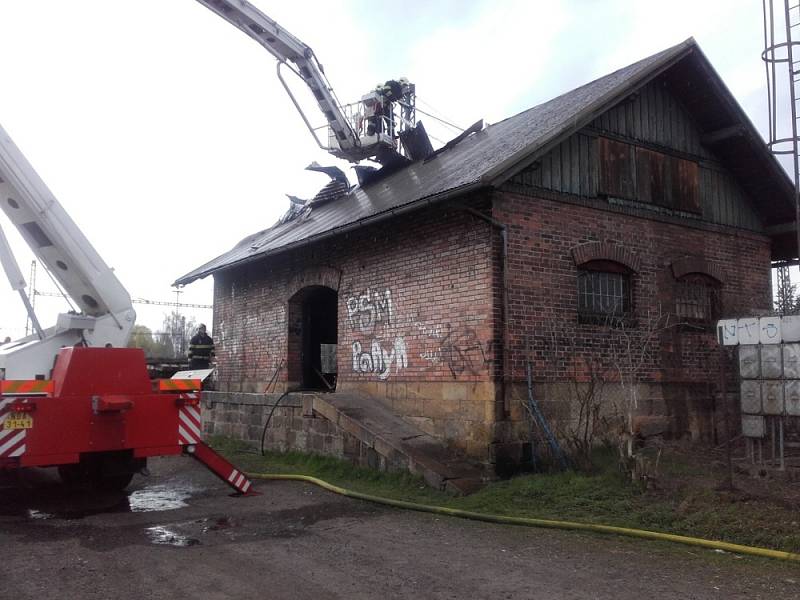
(547, 239)
(415, 315)
(419, 305)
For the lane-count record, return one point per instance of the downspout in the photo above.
(504, 300)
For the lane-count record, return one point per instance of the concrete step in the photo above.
(399, 442)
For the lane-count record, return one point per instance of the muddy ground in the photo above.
(179, 534)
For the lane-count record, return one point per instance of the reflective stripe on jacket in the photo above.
(201, 346)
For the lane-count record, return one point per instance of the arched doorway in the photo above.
(313, 335)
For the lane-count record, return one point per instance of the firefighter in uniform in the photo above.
(201, 349)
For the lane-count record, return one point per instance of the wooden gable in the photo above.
(647, 152)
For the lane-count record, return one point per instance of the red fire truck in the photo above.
(73, 396)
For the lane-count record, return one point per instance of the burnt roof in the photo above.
(333, 190)
(491, 156)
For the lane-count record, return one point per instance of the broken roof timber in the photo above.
(490, 157)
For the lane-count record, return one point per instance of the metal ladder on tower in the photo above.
(782, 53)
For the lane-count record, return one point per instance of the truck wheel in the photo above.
(104, 471)
(76, 474)
(114, 471)
(112, 482)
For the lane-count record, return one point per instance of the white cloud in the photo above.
(478, 70)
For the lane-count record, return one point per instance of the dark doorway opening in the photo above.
(318, 336)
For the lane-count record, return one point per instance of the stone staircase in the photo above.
(400, 444)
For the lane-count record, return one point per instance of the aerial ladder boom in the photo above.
(349, 138)
(286, 47)
(105, 315)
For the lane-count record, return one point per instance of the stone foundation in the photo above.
(293, 427)
(348, 426)
(460, 414)
(685, 412)
(665, 411)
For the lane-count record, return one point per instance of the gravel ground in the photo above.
(179, 534)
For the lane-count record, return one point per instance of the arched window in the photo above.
(698, 287)
(604, 290)
(697, 299)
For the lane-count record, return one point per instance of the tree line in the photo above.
(170, 342)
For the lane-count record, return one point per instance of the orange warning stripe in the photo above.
(179, 385)
(26, 386)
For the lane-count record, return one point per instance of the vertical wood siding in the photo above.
(654, 115)
(571, 168)
(587, 163)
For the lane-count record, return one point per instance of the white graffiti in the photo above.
(378, 360)
(369, 309)
(431, 331)
(432, 356)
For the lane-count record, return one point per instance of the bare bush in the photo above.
(633, 348)
(589, 418)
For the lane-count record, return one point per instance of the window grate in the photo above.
(604, 293)
(696, 301)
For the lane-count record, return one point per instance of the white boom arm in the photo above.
(285, 47)
(107, 314)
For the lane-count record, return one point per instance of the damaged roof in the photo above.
(493, 155)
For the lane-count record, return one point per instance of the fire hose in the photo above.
(533, 522)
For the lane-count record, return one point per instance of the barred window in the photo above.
(697, 299)
(604, 290)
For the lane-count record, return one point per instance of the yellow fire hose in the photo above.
(531, 522)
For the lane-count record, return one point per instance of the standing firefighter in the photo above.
(201, 349)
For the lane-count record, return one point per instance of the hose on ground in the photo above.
(533, 522)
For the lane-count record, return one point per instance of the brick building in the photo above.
(644, 201)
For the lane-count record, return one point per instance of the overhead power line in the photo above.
(138, 301)
(444, 119)
(432, 116)
(168, 303)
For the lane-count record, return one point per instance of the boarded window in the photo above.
(697, 299)
(644, 175)
(667, 181)
(652, 177)
(686, 185)
(604, 290)
(617, 169)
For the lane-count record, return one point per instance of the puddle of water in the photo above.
(160, 497)
(55, 501)
(218, 524)
(165, 537)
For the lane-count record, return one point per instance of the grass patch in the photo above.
(692, 508)
(399, 486)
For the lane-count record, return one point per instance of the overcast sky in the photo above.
(165, 134)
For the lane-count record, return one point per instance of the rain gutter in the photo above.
(503, 228)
